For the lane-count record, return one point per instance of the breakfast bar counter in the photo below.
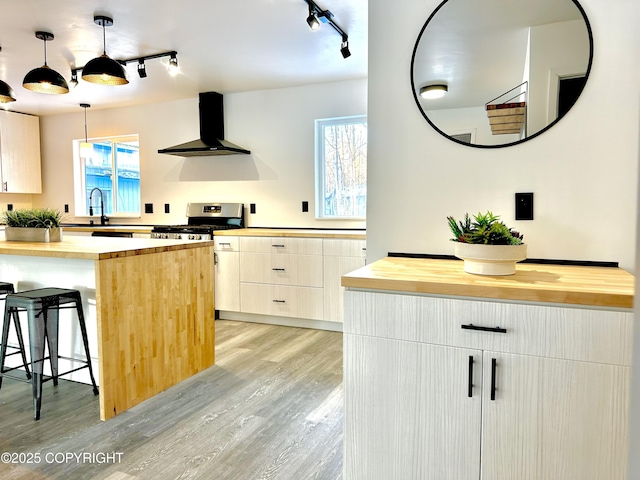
(148, 305)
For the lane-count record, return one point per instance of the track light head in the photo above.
(142, 69)
(344, 49)
(174, 69)
(312, 20)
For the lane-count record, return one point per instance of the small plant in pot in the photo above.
(487, 245)
(33, 225)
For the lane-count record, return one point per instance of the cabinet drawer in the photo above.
(560, 332)
(225, 243)
(335, 247)
(300, 270)
(284, 301)
(280, 245)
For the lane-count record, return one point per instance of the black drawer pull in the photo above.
(493, 379)
(471, 326)
(278, 269)
(470, 389)
(278, 246)
(278, 301)
(224, 244)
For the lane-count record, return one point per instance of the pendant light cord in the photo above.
(44, 40)
(104, 41)
(85, 125)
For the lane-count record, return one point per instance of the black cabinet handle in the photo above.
(470, 388)
(279, 301)
(493, 378)
(471, 326)
(278, 246)
(278, 269)
(226, 244)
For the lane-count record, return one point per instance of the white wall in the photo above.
(276, 125)
(583, 171)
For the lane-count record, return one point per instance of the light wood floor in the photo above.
(271, 408)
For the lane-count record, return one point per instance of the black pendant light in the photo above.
(44, 79)
(104, 70)
(6, 93)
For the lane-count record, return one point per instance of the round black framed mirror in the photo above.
(490, 73)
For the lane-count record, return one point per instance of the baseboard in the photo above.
(283, 321)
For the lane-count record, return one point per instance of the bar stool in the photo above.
(5, 289)
(42, 306)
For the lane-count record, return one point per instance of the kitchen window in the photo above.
(341, 167)
(112, 165)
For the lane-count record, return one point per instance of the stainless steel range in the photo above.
(202, 220)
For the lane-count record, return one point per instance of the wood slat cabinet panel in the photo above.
(554, 387)
(298, 270)
(334, 268)
(408, 417)
(281, 300)
(338, 247)
(226, 244)
(553, 331)
(565, 419)
(20, 164)
(281, 245)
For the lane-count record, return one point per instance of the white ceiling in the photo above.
(223, 45)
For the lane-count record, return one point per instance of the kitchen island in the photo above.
(148, 306)
(450, 375)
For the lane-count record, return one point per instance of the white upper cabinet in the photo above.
(20, 168)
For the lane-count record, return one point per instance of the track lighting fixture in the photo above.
(173, 65)
(44, 79)
(317, 15)
(344, 49)
(312, 20)
(142, 69)
(103, 70)
(74, 78)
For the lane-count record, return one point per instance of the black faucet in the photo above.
(103, 218)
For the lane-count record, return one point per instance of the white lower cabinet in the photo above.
(284, 276)
(421, 404)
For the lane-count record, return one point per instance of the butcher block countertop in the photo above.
(97, 248)
(293, 232)
(540, 283)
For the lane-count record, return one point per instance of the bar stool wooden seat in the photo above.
(5, 289)
(42, 306)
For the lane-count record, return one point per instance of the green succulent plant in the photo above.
(32, 217)
(484, 229)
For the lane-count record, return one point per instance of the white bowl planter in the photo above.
(490, 259)
(28, 234)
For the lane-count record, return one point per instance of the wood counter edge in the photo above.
(293, 232)
(366, 279)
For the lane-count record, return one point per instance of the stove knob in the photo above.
(178, 236)
(198, 237)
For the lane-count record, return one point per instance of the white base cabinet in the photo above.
(429, 396)
(284, 276)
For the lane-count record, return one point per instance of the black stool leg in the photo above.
(16, 322)
(51, 334)
(5, 338)
(36, 347)
(85, 340)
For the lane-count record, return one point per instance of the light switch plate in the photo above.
(524, 206)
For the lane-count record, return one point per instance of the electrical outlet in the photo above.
(305, 206)
(9, 206)
(252, 208)
(524, 206)
(148, 208)
(166, 208)
(66, 208)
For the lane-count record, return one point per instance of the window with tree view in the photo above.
(111, 165)
(341, 166)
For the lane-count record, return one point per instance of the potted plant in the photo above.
(487, 245)
(33, 225)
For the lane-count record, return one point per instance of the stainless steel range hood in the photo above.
(211, 141)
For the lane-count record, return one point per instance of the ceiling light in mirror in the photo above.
(433, 91)
(482, 48)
